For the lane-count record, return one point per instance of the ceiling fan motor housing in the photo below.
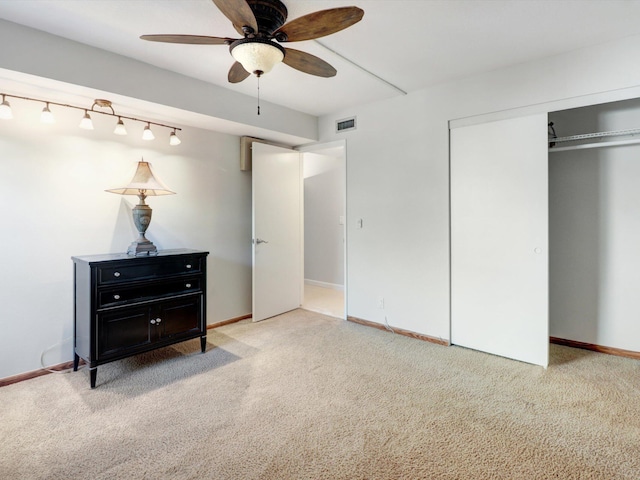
(270, 15)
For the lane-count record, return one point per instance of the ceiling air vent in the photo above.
(346, 124)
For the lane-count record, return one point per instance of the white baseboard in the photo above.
(316, 283)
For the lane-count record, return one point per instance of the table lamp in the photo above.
(143, 184)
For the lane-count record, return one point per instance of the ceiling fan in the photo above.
(262, 25)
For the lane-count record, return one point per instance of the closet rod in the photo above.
(615, 133)
(594, 145)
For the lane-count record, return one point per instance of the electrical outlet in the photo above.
(381, 303)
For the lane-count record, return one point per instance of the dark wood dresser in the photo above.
(126, 305)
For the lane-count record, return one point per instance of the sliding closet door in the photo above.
(499, 238)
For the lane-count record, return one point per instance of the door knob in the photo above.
(259, 241)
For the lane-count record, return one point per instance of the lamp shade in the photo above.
(143, 181)
(257, 56)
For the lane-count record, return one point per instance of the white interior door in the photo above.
(499, 238)
(277, 230)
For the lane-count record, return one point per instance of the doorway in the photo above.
(324, 177)
(595, 228)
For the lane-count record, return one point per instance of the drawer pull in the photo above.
(188, 265)
(116, 274)
(153, 322)
(158, 320)
(188, 285)
(116, 297)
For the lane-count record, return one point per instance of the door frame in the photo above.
(340, 147)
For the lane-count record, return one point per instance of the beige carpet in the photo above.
(304, 396)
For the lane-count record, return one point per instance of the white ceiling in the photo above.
(410, 44)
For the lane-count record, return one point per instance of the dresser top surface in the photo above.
(107, 257)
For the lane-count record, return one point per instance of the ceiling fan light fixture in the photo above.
(257, 56)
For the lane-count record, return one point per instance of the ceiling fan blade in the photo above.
(189, 39)
(237, 73)
(319, 24)
(307, 63)
(239, 12)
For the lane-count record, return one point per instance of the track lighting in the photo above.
(5, 109)
(173, 139)
(46, 116)
(86, 123)
(147, 134)
(120, 128)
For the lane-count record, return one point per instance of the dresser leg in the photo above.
(203, 343)
(76, 361)
(93, 373)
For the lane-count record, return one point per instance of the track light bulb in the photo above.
(148, 134)
(46, 116)
(5, 109)
(120, 128)
(173, 139)
(86, 122)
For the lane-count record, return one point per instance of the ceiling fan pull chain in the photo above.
(258, 94)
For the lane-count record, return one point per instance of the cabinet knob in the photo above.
(116, 297)
(116, 274)
(158, 320)
(188, 285)
(153, 322)
(188, 265)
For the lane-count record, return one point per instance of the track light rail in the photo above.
(101, 103)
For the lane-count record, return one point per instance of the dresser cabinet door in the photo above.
(123, 330)
(180, 318)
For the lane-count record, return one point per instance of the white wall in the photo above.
(397, 174)
(594, 215)
(52, 184)
(323, 207)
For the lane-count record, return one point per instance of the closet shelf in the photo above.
(594, 145)
(587, 136)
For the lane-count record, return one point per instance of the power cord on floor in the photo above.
(386, 324)
(66, 370)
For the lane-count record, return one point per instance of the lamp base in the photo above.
(142, 248)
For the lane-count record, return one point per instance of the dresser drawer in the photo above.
(183, 265)
(126, 294)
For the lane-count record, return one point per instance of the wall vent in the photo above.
(346, 124)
